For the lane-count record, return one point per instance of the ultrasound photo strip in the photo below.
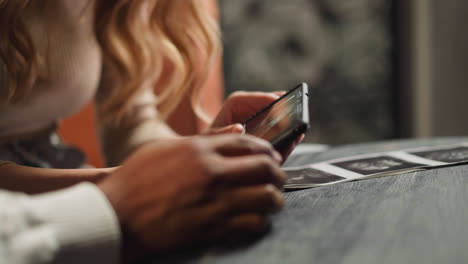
(316, 175)
(416, 159)
(420, 156)
(363, 165)
(310, 176)
(354, 168)
(322, 174)
(446, 155)
(375, 165)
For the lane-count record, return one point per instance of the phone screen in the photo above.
(278, 117)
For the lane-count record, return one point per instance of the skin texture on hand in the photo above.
(38, 180)
(195, 190)
(241, 105)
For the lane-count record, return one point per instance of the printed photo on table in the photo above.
(450, 155)
(310, 176)
(375, 165)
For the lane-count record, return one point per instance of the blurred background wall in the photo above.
(379, 69)
(343, 49)
(439, 44)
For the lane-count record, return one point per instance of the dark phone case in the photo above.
(284, 140)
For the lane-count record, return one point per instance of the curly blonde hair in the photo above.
(139, 39)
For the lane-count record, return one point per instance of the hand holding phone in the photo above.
(283, 121)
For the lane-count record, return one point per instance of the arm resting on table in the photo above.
(31, 180)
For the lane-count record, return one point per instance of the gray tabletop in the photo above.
(411, 218)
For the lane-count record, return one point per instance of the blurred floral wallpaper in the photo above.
(342, 48)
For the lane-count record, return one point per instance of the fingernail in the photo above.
(277, 196)
(240, 129)
(277, 156)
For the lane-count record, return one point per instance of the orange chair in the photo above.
(80, 129)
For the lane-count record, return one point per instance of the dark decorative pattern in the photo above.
(342, 48)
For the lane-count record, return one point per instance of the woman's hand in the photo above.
(194, 190)
(238, 108)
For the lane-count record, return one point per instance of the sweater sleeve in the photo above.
(140, 125)
(74, 225)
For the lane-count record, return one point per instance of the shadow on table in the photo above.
(202, 251)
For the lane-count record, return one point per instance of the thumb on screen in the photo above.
(230, 129)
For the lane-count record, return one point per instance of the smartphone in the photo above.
(284, 120)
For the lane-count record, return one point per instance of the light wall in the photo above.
(440, 68)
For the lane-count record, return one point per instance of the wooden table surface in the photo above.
(418, 217)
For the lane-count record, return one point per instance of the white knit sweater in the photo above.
(75, 225)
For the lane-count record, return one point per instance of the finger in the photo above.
(244, 145)
(300, 139)
(252, 170)
(279, 93)
(230, 129)
(262, 199)
(246, 104)
(258, 199)
(240, 209)
(289, 149)
(248, 223)
(254, 96)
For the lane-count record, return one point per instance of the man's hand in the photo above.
(194, 190)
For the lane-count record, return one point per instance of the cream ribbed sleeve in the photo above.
(74, 225)
(140, 125)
